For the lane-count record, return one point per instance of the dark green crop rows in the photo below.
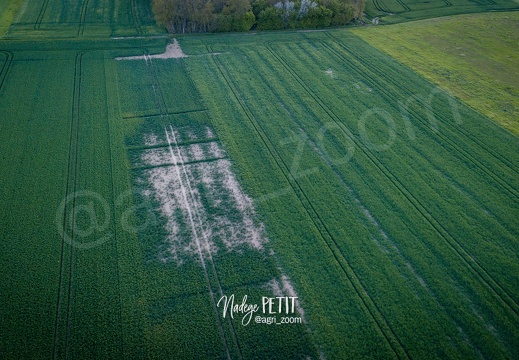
(414, 194)
(389, 206)
(100, 18)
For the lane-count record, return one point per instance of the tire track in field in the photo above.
(374, 70)
(76, 177)
(365, 213)
(382, 6)
(487, 280)
(377, 6)
(39, 19)
(370, 306)
(114, 201)
(403, 4)
(135, 16)
(82, 18)
(368, 216)
(446, 141)
(204, 233)
(470, 194)
(72, 172)
(6, 67)
(162, 107)
(468, 258)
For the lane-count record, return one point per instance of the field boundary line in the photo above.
(161, 104)
(180, 143)
(182, 163)
(168, 114)
(467, 258)
(317, 222)
(7, 66)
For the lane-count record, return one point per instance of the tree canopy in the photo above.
(190, 16)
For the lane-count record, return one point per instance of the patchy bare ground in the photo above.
(285, 288)
(173, 51)
(205, 206)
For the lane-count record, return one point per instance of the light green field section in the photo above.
(396, 11)
(473, 56)
(8, 10)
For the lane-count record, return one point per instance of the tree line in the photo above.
(193, 16)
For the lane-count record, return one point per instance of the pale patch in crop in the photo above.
(218, 178)
(363, 87)
(155, 156)
(285, 288)
(205, 206)
(166, 194)
(209, 133)
(151, 139)
(173, 51)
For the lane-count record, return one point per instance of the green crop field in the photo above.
(474, 56)
(394, 11)
(56, 18)
(8, 10)
(146, 179)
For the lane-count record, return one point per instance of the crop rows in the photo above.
(489, 173)
(495, 165)
(288, 164)
(485, 275)
(280, 79)
(199, 232)
(79, 310)
(81, 18)
(24, 206)
(320, 226)
(6, 64)
(58, 296)
(393, 11)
